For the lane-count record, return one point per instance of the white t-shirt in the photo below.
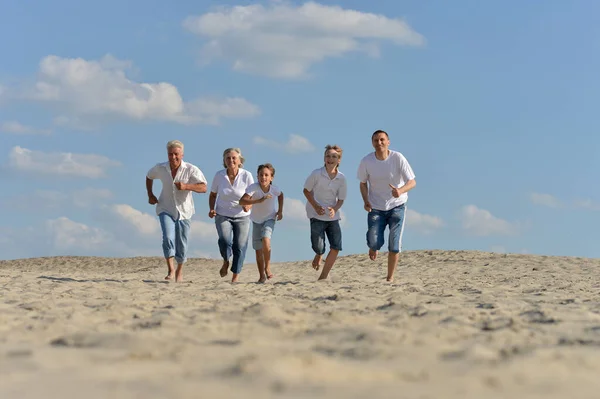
(394, 170)
(228, 195)
(177, 203)
(268, 208)
(326, 192)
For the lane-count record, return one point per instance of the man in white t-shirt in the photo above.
(385, 179)
(175, 205)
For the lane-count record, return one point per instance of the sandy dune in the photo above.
(455, 324)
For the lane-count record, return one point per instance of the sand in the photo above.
(454, 324)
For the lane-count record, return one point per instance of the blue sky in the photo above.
(492, 103)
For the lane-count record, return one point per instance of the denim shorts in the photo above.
(378, 220)
(320, 228)
(260, 231)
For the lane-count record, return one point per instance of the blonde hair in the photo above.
(337, 149)
(174, 144)
(235, 149)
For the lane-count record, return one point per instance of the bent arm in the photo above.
(197, 187)
(149, 183)
(280, 203)
(248, 200)
(212, 199)
(412, 183)
(364, 192)
(338, 205)
(311, 198)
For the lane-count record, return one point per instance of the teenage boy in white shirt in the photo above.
(385, 179)
(325, 191)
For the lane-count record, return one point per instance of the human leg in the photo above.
(241, 231)
(182, 230)
(258, 245)
(395, 222)
(266, 234)
(167, 226)
(334, 235)
(375, 232)
(225, 233)
(317, 240)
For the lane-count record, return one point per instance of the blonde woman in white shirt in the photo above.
(265, 211)
(325, 190)
(231, 218)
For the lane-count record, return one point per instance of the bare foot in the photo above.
(223, 271)
(234, 279)
(178, 276)
(372, 254)
(316, 263)
(389, 279)
(262, 280)
(170, 276)
(269, 274)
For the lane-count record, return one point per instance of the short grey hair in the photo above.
(174, 144)
(235, 149)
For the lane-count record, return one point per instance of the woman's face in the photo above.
(232, 160)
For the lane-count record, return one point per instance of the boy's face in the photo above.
(265, 177)
(332, 158)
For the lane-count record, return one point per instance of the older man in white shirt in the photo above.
(175, 205)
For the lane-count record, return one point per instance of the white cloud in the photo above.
(587, 204)
(60, 164)
(295, 144)
(18, 128)
(283, 41)
(480, 222)
(89, 90)
(545, 200)
(204, 231)
(90, 196)
(143, 223)
(44, 199)
(294, 209)
(423, 223)
(69, 235)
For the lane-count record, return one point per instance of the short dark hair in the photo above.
(379, 131)
(266, 166)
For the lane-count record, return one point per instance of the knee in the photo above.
(266, 244)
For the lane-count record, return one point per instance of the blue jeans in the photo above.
(318, 229)
(378, 220)
(174, 237)
(260, 231)
(233, 239)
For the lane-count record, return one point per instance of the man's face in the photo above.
(175, 157)
(381, 142)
